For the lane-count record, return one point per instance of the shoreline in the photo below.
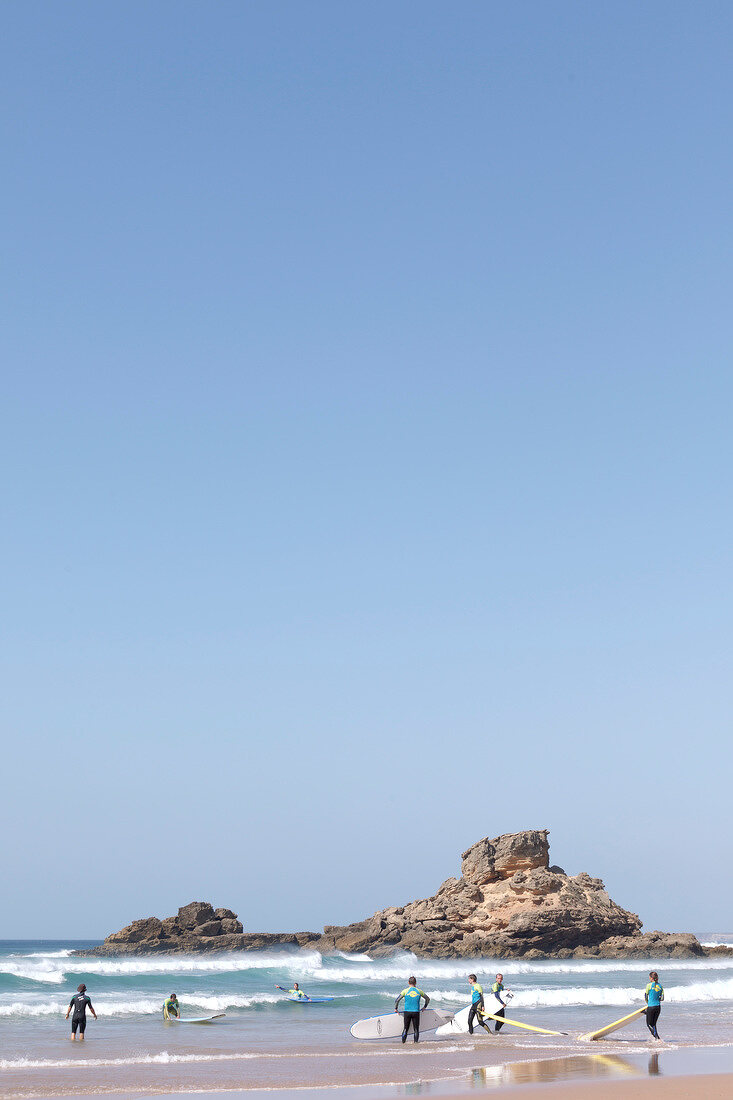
(697, 1071)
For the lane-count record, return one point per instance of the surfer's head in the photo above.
(500, 977)
(412, 981)
(295, 985)
(81, 988)
(472, 977)
(173, 997)
(653, 975)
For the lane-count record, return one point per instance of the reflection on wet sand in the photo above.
(550, 1070)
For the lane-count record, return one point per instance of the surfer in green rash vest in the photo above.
(171, 1007)
(296, 991)
(497, 989)
(411, 1013)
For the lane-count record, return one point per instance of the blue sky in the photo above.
(365, 431)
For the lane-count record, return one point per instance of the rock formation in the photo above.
(508, 903)
(196, 927)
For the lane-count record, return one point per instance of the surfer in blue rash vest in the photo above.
(497, 989)
(411, 1013)
(653, 995)
(296, 991)
(477, 1006)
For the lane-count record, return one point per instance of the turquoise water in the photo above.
(266, 1040)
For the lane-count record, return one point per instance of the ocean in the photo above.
(266, 1041)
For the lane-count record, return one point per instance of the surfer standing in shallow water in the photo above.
(653, 995)
(80, 1003)
(411, 1014)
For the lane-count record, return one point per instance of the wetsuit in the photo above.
(171, 1008)
(654, 995)
(477, 1007)
(298, 993)
(411, 1014)
(79, 1003)
(497, 989)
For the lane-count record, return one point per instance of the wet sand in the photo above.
(703, 1087)
(603, 1075)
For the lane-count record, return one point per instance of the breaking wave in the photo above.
(60, 966)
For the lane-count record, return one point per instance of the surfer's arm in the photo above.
(427, 1000)
(90, 1006)
(396, 1004)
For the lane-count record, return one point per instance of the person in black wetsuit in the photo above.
(80, 1003)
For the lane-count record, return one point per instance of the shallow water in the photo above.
(267, 1041)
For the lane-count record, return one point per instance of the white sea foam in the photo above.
(570, 996)
(32, 971)
(165, 1058)
(63, 954)
(343, 968)
(140, 1005)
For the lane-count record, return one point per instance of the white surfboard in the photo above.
(602, 1032)
(459, 1024)
(196, 1019)
(390, 1025)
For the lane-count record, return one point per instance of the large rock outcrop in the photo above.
(509, 902)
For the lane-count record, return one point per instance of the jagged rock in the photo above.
(210, 928)
(508, 903)
(195, 913)
(489, 860)
(149, 928)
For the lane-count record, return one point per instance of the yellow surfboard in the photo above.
(516, 1023)
(615, 1026)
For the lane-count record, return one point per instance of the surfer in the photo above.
(80, 1003)
(296, 991)
(477, 1006)
(411, 1013)
(497, 989)
(653, 995)
(171, 1007)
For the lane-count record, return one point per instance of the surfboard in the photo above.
(602, 1032)
(310, 1000)
(391, 1024)
(459, 1024)
(196, 1019)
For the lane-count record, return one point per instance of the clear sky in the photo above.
(366, 453)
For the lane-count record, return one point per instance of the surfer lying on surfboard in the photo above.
(296, 991)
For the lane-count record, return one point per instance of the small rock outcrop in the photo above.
(196, 927)
(508, 903)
